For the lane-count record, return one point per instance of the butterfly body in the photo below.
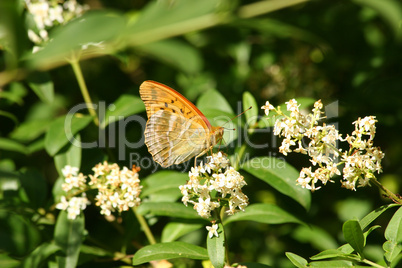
(176, 130)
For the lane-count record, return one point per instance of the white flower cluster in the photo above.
(213, 185)
(75, 184)
(360, 161)
(118, 189)
(48, 13)
(74, 206)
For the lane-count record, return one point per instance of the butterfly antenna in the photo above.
(238, 116)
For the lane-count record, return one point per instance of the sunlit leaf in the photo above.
(168, 251)
(68, 235)
(280, 175)
(216, 248)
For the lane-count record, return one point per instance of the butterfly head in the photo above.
(217, 135)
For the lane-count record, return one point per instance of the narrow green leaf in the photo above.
(124, 106)
(175, 230)
(62, 131)
(367, 220)
(163, 186)
(68, 235)
(176, 53)
(280, 175)
(15, 93)
(389, 10)
(335, 264)
(393, 234)
(327, 254)
(71, 156)
(168, 209)
(254, 265)
(172, 250)
(29, 130)
(11, 145)
(42, 85)
(8, 115)
(354, 235)
(216, 248)
(264, 213)
(38, 257)
(251, 115)
(297, 260)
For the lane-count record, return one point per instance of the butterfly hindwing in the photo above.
(172, 139)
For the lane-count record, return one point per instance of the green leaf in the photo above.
(335, 264)
(330, 253)
(70, 156)
(160, 20)
(10, 145)
(176, 53)
(347, 248)
(6, 261)
(42, 85)
(168, 209)
(251, 115)
(263, 213)
(297, 260)
(15, 94)
(175, 230)
(354, 236)
(62, 131)
(213, 100)
(393, 234)
(216, 248)
(367, 220)
(29, 130)
(166, 251)
(35, 187)
(316, 236)
(19, 235)
(280, 175)
(254, 265)
(94, 27)
(38, 257)
(163, 186)
(68, 235)
(124, 106)
(389, 10)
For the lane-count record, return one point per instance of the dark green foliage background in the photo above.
(347, 52)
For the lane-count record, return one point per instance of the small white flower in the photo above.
(69, 171)
(267, 107)
(213, 230)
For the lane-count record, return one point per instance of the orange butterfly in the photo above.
(176, 130)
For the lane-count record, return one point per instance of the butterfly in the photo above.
(176, 130)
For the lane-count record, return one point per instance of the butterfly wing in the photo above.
(176, 130)
(173, 139)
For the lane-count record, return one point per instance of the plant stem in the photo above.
(239, 156)
(390, 194)
(84, 90)
(145, 227)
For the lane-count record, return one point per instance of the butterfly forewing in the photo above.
(176, 130)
